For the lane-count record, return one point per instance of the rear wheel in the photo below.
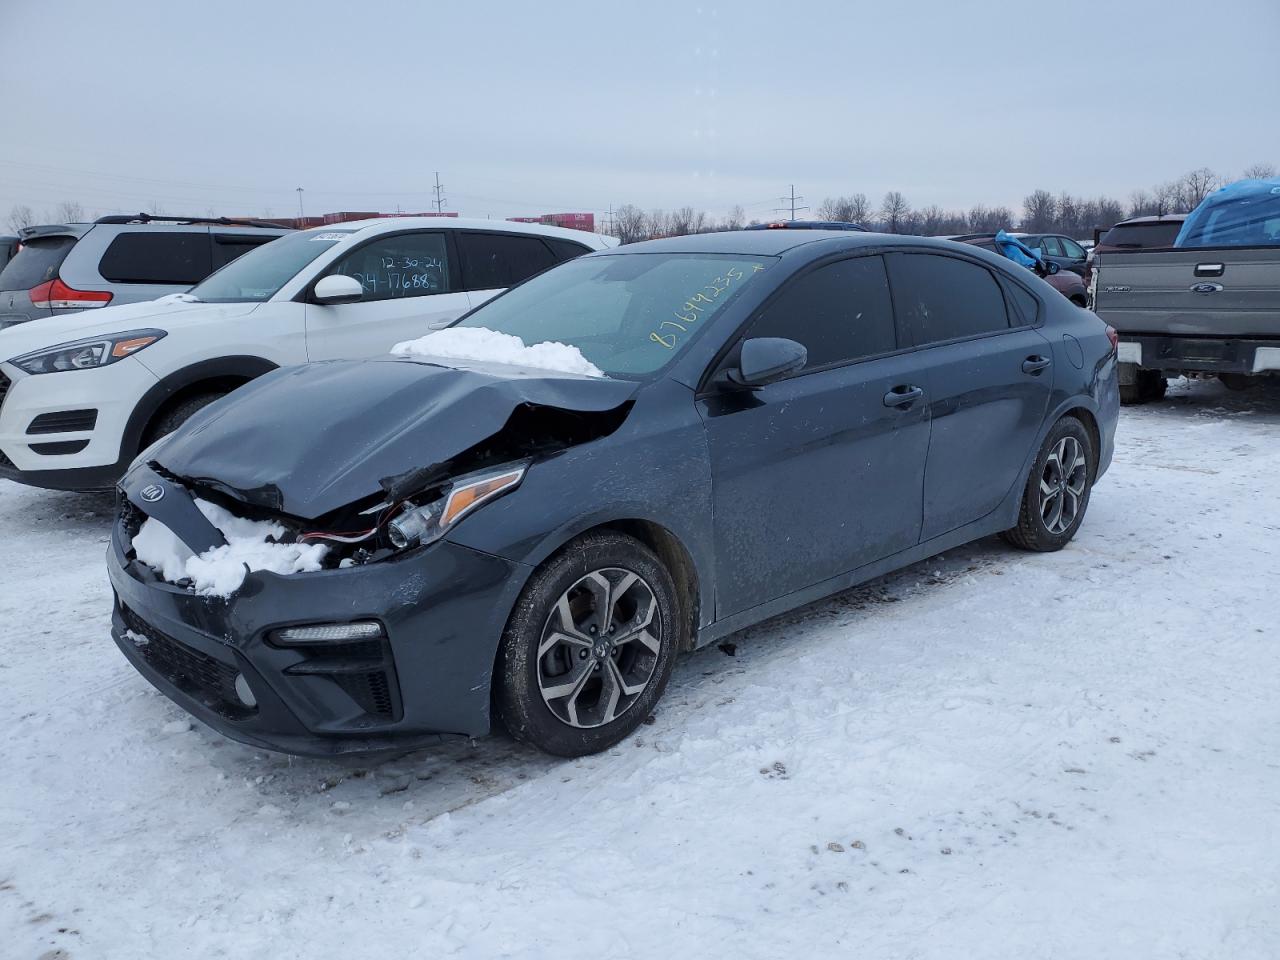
(589, 647)
(1057, 491)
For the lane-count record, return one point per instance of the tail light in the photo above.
(56, 295)
(1114, 337)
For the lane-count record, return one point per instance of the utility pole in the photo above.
(790, 201)
(300, 213)
(439, 190)
(608, 221)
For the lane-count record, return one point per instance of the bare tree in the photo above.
(657, 224)
(735, 218)
(1038, 212)
(629, 223)
(895, 212)
(1197, 185)
(20, 215)
(931, 219)
(68, 211)
(850, 209)
(1260, 171)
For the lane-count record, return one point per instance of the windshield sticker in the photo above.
(705, 299)
(329, 236)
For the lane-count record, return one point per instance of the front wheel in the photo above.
(589, 647)
(1057, 491)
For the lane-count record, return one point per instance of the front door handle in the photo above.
(1033, 365)
(902, 395)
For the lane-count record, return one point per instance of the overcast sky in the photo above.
(527, 108)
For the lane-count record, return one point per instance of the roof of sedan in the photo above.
(772, 243)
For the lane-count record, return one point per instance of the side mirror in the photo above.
(765, 359)
(338, 288)
(1051, 267)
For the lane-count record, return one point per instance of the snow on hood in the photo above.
(481, 343)
(50, 331)
(310, 439)
(218, 572)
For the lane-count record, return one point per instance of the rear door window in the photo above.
(159, 257)
(230, 246)
(944, 298)
(491, 260)
(1051, 246)
(36, 263)
(839, 312)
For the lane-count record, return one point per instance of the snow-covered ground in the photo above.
(992, 754)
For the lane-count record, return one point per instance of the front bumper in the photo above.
(443, 609)
(1179, 354)
(71, 456)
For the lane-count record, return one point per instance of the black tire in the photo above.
(1150, 387)
(171, 419)
(1034, 530)
(1239, 382)
(524, 672)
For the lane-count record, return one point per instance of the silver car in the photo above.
(120, 259)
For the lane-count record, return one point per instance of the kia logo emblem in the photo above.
(152, 493)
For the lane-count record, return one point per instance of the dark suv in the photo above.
(69, 267)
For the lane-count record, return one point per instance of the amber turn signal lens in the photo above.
(125, 347)
(464, 498)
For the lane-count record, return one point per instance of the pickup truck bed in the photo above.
(1191, 312)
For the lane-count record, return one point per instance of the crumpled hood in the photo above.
(50, 331)
(308, 440)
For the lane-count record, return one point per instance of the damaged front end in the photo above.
(314, 661)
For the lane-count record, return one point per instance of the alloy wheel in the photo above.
(1062, 485)
(599, 647)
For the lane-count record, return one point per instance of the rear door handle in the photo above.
(1035, 364)
(902, 396)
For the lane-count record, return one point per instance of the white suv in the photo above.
(81, 395)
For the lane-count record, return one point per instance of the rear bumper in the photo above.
(443, 610)
(1178, 354)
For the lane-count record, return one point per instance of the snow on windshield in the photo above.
(251, 545)
(480, 343)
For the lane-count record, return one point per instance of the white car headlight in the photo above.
(87, 354)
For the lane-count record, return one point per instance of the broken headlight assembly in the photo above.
(419, 524)
(87, 354)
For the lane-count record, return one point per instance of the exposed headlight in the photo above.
(88, 353)
(418, 524)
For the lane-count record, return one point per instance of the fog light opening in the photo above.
(243, 692)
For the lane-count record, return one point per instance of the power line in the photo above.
(792, 203)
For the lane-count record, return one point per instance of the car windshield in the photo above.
(260, 273)
(630, 314)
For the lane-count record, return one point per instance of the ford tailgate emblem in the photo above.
(1206, 287)
(152, 493)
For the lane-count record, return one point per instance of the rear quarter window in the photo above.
(565, 249)
(36, 263)
(159, 257)
(228, 247)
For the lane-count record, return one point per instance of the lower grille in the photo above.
(65, 421)
(4, 387)
(6, 462)
(364, 669)
(199, 675)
